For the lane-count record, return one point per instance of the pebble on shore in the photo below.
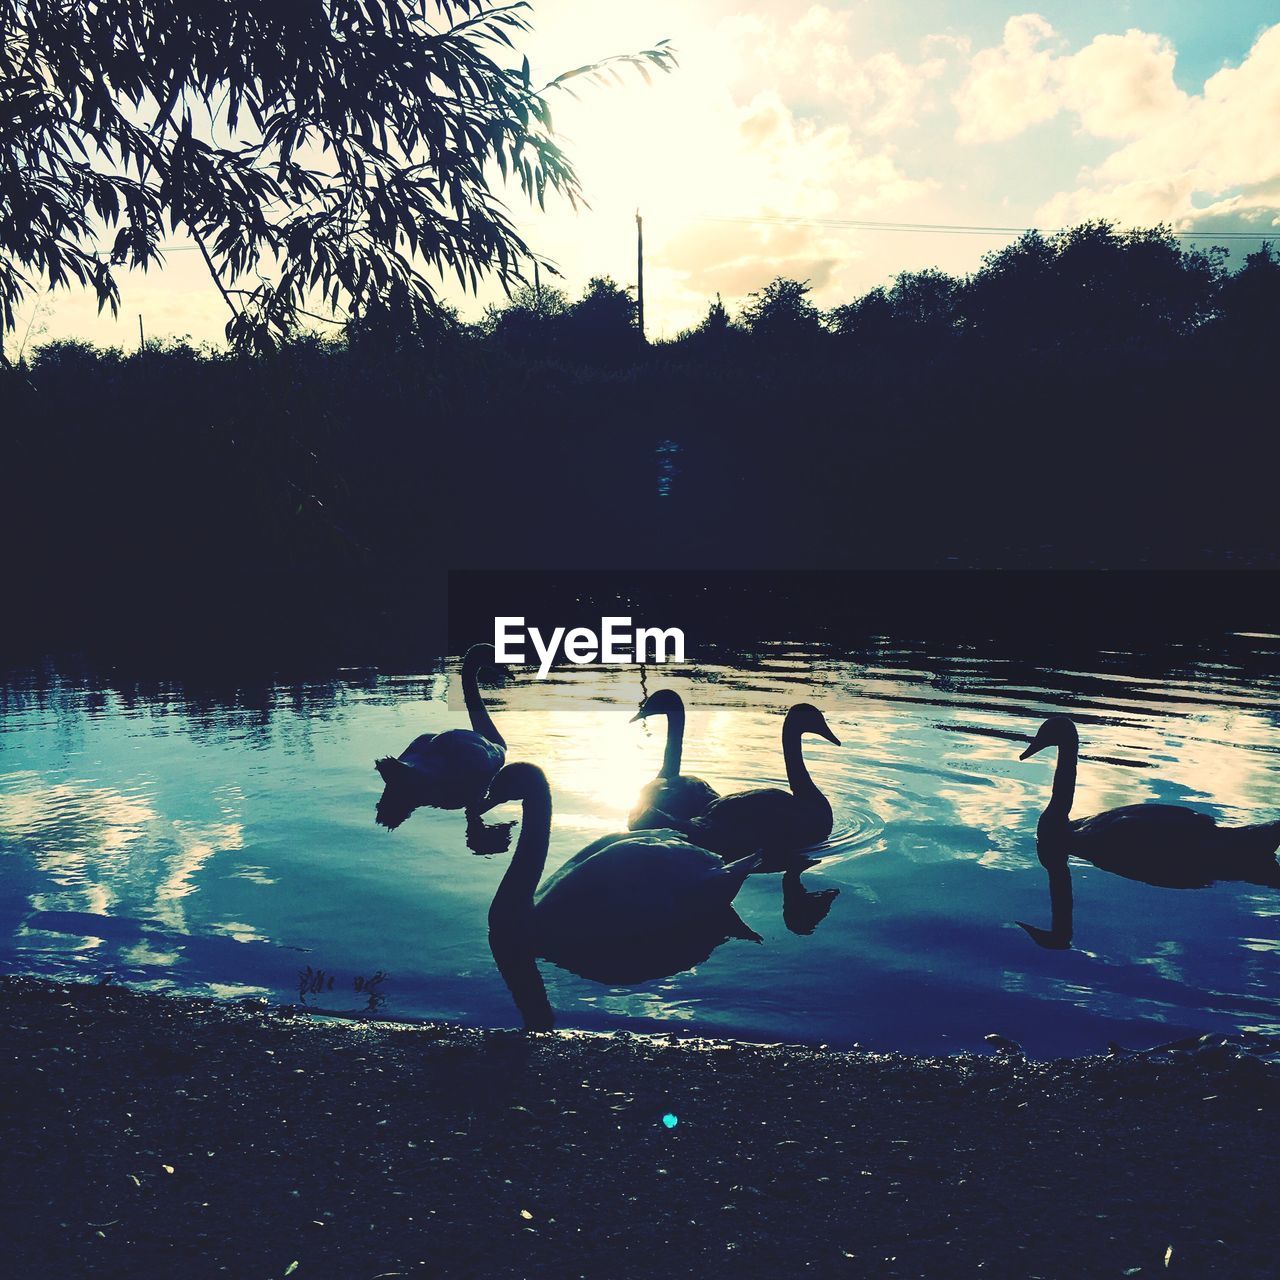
(156, 1135)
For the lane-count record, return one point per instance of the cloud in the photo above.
(1011, 87)
(1182, 159)
(1117, 85)
(1121, 86)
(769, 162)
(815, 63)
(769, 115)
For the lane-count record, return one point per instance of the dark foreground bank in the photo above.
(158, 1136)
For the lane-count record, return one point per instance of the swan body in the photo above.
(449, 770)
(672, 795)
(1160, 843)
(770, 819)
(623, 885)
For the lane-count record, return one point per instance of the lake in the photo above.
(222, 841)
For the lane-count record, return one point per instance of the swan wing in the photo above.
(1157, 843)
(1148, 822)
(450, 770)
(679, 798)
(646, 839)
(631, 885)
(764, 818)
(418, 750)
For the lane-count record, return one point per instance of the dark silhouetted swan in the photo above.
(672, 794)
(450, 770)
(623, 885)
(768, 819)
(1160, 844)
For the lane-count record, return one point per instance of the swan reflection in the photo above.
(618, 962)
(803, 910)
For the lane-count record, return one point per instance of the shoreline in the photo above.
(161, 1134)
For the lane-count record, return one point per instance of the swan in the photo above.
(450, 770)
(623, 885)
(769, 819)
(671, 794)
(1180, 847)
(1164, 845)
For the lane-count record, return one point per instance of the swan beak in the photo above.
(830, 737)
(490, 804)
(639, 715)
(1031, 750)
(1049, 939)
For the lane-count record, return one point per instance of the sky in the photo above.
(959, 114)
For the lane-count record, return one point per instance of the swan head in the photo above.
(480, 655)
(662, 702)
(1049, 939)
(1057, 731)
(519, 781)
(804, 717)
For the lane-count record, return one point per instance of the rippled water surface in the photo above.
(225, 843)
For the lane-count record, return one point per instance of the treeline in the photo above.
(1094, 399)
(1089, 288)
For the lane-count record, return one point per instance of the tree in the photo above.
(782, 313)
(1009, 298)
(1250, 299)
(868, 318)
(317, 153)
(531, 320)
(925, 301)
(716, 323)
(602, 322)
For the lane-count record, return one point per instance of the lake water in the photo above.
(225, 843)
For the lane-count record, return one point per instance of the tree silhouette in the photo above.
(782, 313)
(602, 323)
(328, 154)
(867, 319)
(1249, 300)
(925, 301)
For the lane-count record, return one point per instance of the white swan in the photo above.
(767, 818)
(672, 794)
(450, 770)
(623, 885)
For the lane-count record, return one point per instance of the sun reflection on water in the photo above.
(226, 844)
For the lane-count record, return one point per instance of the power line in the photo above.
(946, 228)
(910, 228)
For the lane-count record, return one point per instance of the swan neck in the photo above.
(1064, 782)
(798, 778)
(481, 721)
(512, 905)
(671, 757)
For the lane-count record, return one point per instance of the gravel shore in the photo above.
(160, 1136)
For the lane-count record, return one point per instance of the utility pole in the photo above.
(142, 342)
(640, 272)
(537, 288)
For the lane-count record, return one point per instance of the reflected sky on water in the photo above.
(224, 841)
